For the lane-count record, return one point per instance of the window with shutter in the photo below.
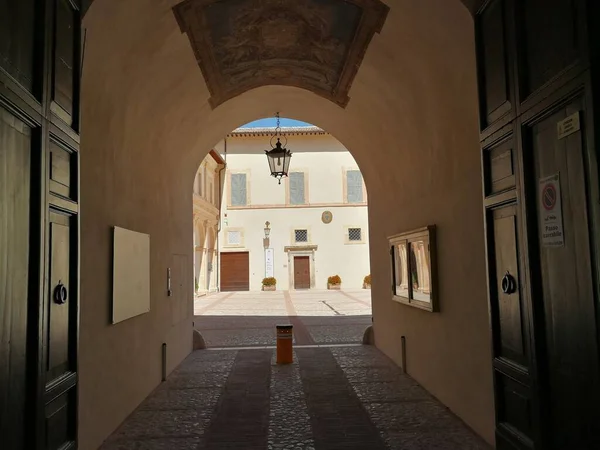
(354, 186)
(296, 182)
(238, 189)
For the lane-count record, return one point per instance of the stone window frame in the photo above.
(229, 191)
(345, 171)
(288, 201)
(347, 239)
(242, 243)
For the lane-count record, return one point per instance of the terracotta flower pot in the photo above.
(334, 286)
(366, 286)
(269, 288)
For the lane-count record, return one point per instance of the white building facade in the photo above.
(317, 217)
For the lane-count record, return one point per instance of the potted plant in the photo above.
(269, 284)
(367, 282)
(334, 282)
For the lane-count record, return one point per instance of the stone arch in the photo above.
(411, 125)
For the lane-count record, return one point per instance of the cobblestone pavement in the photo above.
(248, 319)
(343, 397)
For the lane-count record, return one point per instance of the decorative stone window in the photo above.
(301, 236)
(355, 234)
(234, 238)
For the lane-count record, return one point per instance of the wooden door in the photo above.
(509, 315)
(301, 272)
(235, 271)
(15, 179)
(563, 283)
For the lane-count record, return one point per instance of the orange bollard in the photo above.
(285, 353)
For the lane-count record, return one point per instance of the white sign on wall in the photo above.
(269, 266)
(551, 219)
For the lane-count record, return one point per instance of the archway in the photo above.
(411, 125)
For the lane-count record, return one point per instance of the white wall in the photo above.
(267, 202)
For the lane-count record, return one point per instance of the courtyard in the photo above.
(248, 319)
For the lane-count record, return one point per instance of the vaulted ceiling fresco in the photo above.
(312, 44)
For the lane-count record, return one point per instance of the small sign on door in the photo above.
(550, 207)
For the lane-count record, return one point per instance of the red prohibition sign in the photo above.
(549, 197)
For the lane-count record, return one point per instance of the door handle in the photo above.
(60, 293)
(509, 284)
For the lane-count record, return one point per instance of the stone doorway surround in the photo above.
(300, 250)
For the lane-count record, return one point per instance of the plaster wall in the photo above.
(411, 125)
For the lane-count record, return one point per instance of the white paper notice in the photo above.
(551, 219)
(269, 272)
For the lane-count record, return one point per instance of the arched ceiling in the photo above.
(472, 5)
(316, 45)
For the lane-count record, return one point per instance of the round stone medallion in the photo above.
(327, 217)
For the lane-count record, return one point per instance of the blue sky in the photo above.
(272, 122)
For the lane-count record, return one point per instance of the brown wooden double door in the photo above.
(301, 272)
(39, 223)
(538, 94)
(235, 271)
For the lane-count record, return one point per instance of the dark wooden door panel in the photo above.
(17, 50)
(235, 271)
(60, 416)
(65, 64)
(509, 309)
(566, 286)
(61, 331)
(15, 172)
(510, 338)
(58, 313)
(301, 272)
(493, 61)
(551, 41)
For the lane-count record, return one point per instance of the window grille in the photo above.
(355, 234)
(234, 237)
(301, 235)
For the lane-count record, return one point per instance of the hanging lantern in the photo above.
(278, 157)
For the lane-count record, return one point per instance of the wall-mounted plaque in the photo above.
(414, 273)
(327, 216)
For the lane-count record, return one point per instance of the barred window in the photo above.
(234, 237)
(354, 185)
(238, 189)
(301, 235)
(355, 234)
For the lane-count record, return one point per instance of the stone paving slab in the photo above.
(242, 319)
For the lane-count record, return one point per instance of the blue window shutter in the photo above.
(297, 188)
(238, 189)
(354, 186)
